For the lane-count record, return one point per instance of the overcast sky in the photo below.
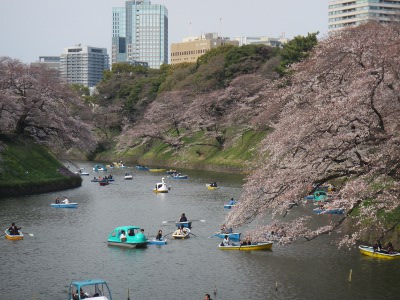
(33, 28)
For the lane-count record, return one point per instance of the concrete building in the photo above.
(49, 62)
(140, 34)
(344, 13)
(191, 48)
(262, 40)
(84, 64)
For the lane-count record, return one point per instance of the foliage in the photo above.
(340, 120)
(296, 50)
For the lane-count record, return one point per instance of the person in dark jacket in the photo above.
(13, 229)
(183, 218)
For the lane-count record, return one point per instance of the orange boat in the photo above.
(9, 236)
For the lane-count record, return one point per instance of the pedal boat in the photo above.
(134, 237)
(97, 289)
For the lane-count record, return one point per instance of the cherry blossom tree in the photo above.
(34, 102)
(340, 121)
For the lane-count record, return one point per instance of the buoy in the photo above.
(350, 273)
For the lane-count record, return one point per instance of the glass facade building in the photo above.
(140, 33)
(344, 13)
(83, 65)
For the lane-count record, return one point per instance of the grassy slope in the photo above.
(200, 153)
(29, 168)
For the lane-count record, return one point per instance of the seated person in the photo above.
(232, 202)
(159, 235)
(389, 248)
(130, 232)
(122, 237)
(226, 241)
(223, 228)
(57, 200)
(243, 243)
(183, 218)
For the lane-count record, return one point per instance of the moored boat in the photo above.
(369, 251)
(187, 224)
(181, 234)
(157, 170)
(89, 289)
(179, 177)
(142, 168)
(161, 187)
(127, 236)
(253, 247)
(14, 237)
(231, 236)
(64, 205)
(332, 211)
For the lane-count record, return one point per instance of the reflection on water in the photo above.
(70, 244)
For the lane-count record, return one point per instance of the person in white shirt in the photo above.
(226, 241)
(65, 201)
(122, 237)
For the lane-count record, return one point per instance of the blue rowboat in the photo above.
(180, 177)
(229, 206)
(89, 289)
(102, 180)
(64, 205)
(187, 224)
(332, 211)
(232, 236)
(142, 168)
(134, 238)
(309, 197)
(156, 242)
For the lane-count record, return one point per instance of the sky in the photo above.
(33, 28)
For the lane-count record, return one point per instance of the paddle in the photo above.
(30, 234)
(198, 220)
(168, 233)
(193, 234)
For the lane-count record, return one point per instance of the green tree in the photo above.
(296, 50)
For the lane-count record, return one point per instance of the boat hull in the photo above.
(336, 211)
(128, 177)
(62, 205)
(160, 191)
(369, 251)
(212, 187)
(232, 236)
(257, 247)
(180, 177)
(181, 236)
(229, 206)
(157, 242)
(14, 237)
(127, 244)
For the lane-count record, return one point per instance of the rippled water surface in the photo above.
(71, 244)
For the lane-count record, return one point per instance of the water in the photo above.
(70, 244)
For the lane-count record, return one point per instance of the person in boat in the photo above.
(223, 229)
(122, 237)
(142, 231)
(130, 232)
(13, 229)
(83, 295)
(243, 243)
(231, 202)
(389, 248)
(226, 240)
(213, 184)
(159, 235)
(181, 231)
(57, 200)
(183, 218)
(207, 297)
(65, 201)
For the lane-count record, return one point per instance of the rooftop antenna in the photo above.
(220, 27)
(190, 29)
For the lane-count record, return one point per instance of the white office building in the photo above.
(83, 65)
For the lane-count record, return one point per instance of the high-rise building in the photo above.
(83, 65)
(49, 62)
(191, 48)
(344, 13)
(140, 34)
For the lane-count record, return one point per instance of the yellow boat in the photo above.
(212, 187)
(157, 170)
(369, 251)
(14, 237)
(255, 247)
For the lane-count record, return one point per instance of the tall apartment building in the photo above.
(83, 65)
(192, 48)
(344, 13)
(140, 33)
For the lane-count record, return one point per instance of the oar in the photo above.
(197, 220)
(30, 234)
(165, 222)
(193, 234)
(168, 233)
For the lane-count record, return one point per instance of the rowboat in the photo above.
(97, 168)
(142, 168)
(156, 242)
(231, 236)
(128, 176)
(134, 238)
(369, 251)
(89, 289)
(161, 187)
(187, 224)
(64, 205)
(9, 236)
(157, 170)
(208, 185)
(180, 177)
(229, 206)
(332, 211)
(184, 234)
(255, 247)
